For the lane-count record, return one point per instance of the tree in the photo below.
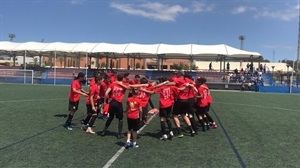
(103, 65)
(175, 66)
(180, 66)
(137, 65)
(194, 67)
(61, 60)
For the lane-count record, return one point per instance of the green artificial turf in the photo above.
(263, 128)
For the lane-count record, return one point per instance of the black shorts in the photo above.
(181, 107)
(192, 108)
(133, 124)
(207, 108)
(201, 110)
(73, 106)
(115, 108)
(165, 112)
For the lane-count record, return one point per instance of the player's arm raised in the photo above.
(146, 91)
(138, 85)
(161, 84)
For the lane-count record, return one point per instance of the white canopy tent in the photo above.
(120, 50)
(128, 50)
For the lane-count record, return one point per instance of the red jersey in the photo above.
(133, 107)
(92, 82)
(202, 102)
(167, 95)
(113, 79)
(117, 92)
(94, 90)
(192, 92)
(134, 82)
(173, 78)
(103, 87)
(143, 96)
(181, 82)
(74, 97)
(209, 98)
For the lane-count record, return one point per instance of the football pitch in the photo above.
(254, 130)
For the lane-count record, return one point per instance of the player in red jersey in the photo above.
(113, 77)
(125, 78)
(166, 101)
(103, 87)
(209, 101)
(74, 96)
(117, 90)
(91, 105)
(191, 94)
(144, 95)
(181, 105)
(134, 111)
(95, 75)
(202, 104)
(134, 81)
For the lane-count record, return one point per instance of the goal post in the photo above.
(16, 76)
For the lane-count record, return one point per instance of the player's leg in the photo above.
(199, 114)
(111, 112)
(129, 123)
(191, 115)
(145, 114)
(134, 132)
(168, 120)
(119, 115)
(176, 112)
(73, 107)
(88, 117)
(184, 114)
(91, 123)
(151, 103)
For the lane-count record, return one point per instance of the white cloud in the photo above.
(242, 9)
(201, 6)
(77, 2)
(287, 14)
(159, 11)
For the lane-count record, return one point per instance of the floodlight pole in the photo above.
(242, 38)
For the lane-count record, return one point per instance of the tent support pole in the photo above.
(86, 64)
(224, 63)
(134, 66)
(54, 81)
(24, 64)
(106, 55)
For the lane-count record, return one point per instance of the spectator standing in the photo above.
(228, 66)
(210, 66)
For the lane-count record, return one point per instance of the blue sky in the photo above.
(269, 25)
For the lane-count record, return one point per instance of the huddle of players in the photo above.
(179, 96)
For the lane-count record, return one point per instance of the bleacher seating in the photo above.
(64, 73)
(212, 76)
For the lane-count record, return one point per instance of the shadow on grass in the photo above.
(155, 135)
(61, 115)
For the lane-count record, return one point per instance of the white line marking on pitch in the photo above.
(120, 151)
(250, 105)
(36, 100)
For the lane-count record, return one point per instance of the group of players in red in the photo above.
(180, 96)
